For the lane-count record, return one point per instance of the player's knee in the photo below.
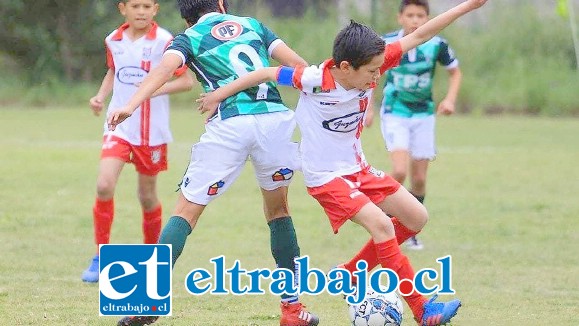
(105, 188)
(276, 211)
(275, 206)
(399, 174)
(421, 217)
(148, 200)
(381, 229)
(419, 184)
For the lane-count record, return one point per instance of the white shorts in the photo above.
(220, 155)
(415, 135)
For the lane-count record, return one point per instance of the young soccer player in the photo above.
(254, 124)
(407, 110)
(330, 111)
(132, 50)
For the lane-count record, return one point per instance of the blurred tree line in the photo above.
(63, 40)
(51, 49)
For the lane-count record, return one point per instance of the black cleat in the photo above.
(137, 320)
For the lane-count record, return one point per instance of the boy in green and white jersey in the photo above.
(408, 110)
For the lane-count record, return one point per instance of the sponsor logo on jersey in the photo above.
(283, 175)
(226, 30)
(214, 188)
(329, 102)
(131, 75)
(346, 123)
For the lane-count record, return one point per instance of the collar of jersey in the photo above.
(206, 16)
(151, 35)
(328, 82)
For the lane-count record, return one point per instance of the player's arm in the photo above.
(286, 56)
(370, 113)
(437, 24)
(182, 83)
(209, 102)
(154, 80)
(97, 102)
(447, 105)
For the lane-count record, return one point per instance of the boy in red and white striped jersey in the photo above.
(131, 51)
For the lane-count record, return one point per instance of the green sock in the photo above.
(175, 233)
(284, 246)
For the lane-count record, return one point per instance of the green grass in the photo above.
(502, 197)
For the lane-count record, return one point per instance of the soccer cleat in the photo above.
(91, 274)
(414, 244)
(438, 313)
(137, 320)
(295, 314)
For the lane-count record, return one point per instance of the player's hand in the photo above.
(208, 103)
(474, 4)
(117, 117)
(96, 104)
(445, 107)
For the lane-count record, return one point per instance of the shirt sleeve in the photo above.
(110, 60)
(181, 70)
(446, 55)
(181, 46)
(269, 38)
(392, 56)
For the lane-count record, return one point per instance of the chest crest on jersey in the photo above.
(147, 53)
(226, 30)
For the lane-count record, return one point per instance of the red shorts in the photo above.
(344, 197)
(148, 160)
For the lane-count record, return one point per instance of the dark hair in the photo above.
(357, 44)
(125, 1)
(421, 3)
(192, 10)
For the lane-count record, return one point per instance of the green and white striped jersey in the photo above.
(222, 47)
(408, 90)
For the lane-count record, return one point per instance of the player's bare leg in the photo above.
(103, 210)
(151, 206)
(418, 171)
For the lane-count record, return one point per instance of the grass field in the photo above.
(502, 197)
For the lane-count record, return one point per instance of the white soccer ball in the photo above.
(377, 310)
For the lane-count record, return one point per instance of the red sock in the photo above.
(152, 225)
(391, 257)
(103, 213)
(367, 253)
(402, 233)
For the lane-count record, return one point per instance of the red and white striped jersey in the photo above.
(131, 62)
(330, 119)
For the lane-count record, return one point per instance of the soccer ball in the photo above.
(377, 310)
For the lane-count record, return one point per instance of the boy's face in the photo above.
(412, 17)
(363, 77)
(139, 13)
